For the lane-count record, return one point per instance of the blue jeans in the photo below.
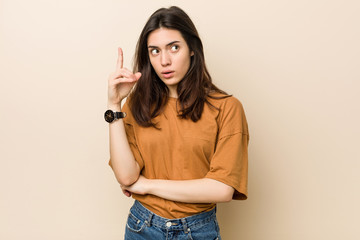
(143, 224)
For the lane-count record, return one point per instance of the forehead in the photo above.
(162, 36)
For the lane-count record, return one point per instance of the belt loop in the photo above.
(186, 229)
(148, 221)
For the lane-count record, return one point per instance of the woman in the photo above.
(179, 144)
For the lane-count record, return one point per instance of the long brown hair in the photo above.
(150, 94)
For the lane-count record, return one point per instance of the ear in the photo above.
(192, 53)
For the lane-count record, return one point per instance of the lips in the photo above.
(167, 74)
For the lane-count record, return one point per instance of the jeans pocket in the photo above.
(135, 224)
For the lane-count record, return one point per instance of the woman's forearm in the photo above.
(124, 165)
(203, 190)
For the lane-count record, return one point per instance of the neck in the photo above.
(173, 91)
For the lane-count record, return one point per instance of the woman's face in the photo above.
(170, 56)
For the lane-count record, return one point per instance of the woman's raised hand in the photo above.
(120, 82)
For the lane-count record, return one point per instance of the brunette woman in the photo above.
(179, 144)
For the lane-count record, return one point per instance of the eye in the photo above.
(174, 48)
(154, 51)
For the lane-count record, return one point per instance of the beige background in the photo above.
(293, 64)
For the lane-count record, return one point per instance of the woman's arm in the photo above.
(204, 190)
(123, 163)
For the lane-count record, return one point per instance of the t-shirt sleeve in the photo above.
(129, 123)
(229, 163)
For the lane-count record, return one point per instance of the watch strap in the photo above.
(119, 115)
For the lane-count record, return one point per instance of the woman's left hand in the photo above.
(139, 187)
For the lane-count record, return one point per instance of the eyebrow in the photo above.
(170, 43)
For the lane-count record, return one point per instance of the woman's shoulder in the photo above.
(231, 114)
(222, 100)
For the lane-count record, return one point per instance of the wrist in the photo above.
(114, 107)
(150, 186)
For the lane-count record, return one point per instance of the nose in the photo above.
(165, 59)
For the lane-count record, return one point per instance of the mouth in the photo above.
(167, 74)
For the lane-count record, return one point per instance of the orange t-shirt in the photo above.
(213, 147)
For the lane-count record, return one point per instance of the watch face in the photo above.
(109, 116)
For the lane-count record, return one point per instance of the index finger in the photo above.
(120, 59)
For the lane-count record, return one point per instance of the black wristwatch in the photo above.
(111, 116)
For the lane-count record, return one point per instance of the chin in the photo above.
(171, 82)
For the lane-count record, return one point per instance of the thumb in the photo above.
(138, 75)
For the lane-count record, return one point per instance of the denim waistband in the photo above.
(194, 221)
